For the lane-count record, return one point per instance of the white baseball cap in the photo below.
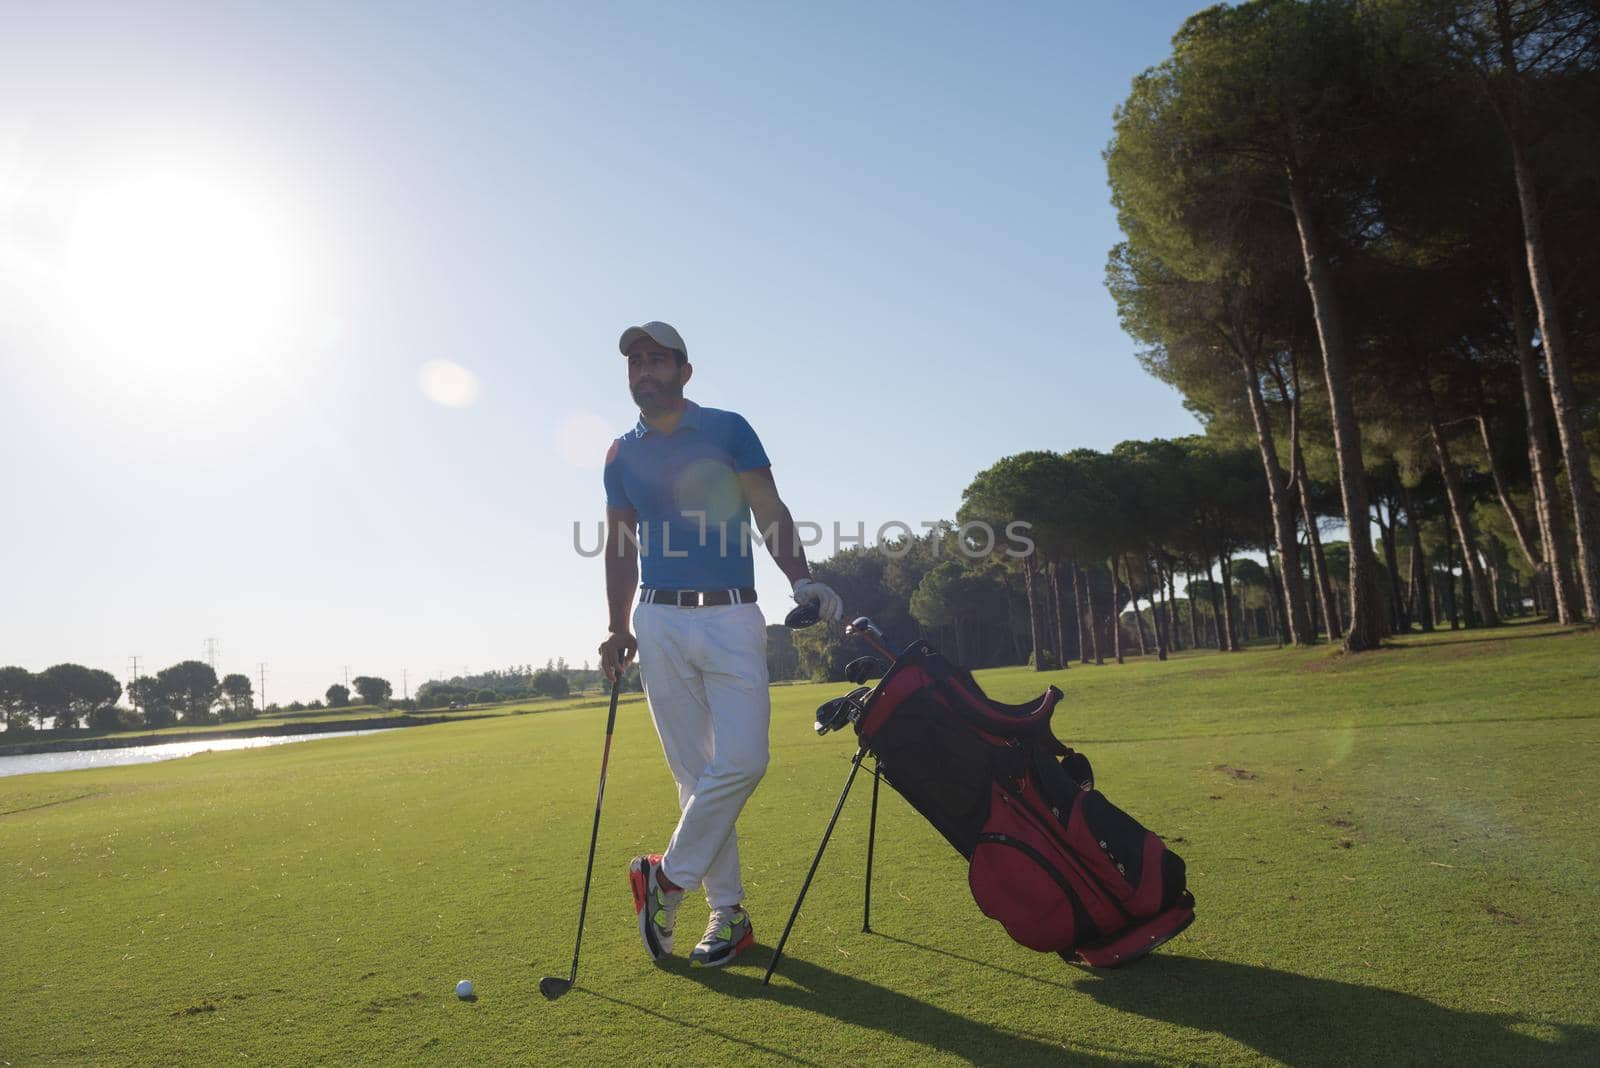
(660, 333)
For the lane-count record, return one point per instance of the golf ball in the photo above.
(464, 988)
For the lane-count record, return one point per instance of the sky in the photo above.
(309, 312)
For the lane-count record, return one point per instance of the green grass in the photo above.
(1394, 857)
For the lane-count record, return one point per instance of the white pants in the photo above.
(705, 676)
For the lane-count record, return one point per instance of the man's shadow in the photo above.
(804, 985)
(1291, 1018)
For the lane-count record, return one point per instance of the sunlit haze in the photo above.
(308, 315)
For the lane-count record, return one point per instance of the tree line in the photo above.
(1138, 551)
(72, 696)
(1359, 238)
(555, 679)
(1359, 235)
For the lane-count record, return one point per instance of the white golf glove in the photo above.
(829, 607)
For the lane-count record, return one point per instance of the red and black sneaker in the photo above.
(656, 908)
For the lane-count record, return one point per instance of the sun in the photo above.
(180, 275)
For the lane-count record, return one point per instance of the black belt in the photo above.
(696, 598)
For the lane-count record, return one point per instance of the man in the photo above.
(680, 487)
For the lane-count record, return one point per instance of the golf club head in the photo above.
(863, 668)
(802, 616)
(863, 625)
(833, 715)
(553, 986)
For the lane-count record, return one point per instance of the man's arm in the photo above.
(770, 512)
(773, 515)
(622, 578)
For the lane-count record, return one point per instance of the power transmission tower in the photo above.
(347, 676)
(211, 653)
(405, 687)
(261, 667)
(132, 691)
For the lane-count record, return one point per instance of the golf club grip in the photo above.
(594, 835)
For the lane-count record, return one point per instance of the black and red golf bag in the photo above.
(1057, 864)
(1062, 868)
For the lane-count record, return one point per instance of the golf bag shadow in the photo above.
(1057, 864)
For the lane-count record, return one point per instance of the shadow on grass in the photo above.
(1417, 640)
(1303, 1020)
(803, 985)
(1040, 979)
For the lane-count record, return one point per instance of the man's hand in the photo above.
(829, 606)
(616, 653)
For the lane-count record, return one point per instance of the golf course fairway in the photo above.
(1394, 857)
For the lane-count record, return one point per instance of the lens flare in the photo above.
(448, 383)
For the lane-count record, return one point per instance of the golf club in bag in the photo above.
(553, 986)
(1058, 865)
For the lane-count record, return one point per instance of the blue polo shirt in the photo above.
(694, 521)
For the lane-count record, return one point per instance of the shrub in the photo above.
(115, 718)
(549, 683)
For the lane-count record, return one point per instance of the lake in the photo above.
(77, 760)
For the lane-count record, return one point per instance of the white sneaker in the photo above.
(727, 935)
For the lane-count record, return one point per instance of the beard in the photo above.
(654, 397)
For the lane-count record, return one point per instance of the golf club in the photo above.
(834, 714)
(553, 986)
(868, 631)
(863, 668)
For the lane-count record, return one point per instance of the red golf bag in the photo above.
(1062, 868)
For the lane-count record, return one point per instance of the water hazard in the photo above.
(77, 760)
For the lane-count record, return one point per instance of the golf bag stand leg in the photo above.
(855, 766)
(872, 834)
